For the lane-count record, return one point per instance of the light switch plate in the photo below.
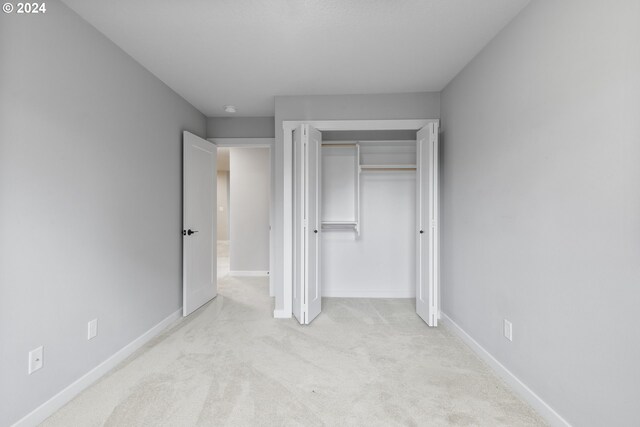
(36, 359)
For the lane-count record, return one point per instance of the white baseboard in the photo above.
(251, 273)
(49, 407)
(546, 411)
(280, 314)
(351, 293)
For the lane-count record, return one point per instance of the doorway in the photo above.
(222, 207)
(243, 211)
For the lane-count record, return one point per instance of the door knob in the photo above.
(421, 231)
(315, 231)
(190, 232)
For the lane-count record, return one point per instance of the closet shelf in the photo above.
(388, 167)
(339, 144)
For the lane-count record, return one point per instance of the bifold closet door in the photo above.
(297, 294)
(199, 245)
(307, 292)
(427, 246)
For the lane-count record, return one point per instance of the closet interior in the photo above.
(368, 209)
(365, 209)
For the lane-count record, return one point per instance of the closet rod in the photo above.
(389, 169)
(338, 145)
(393, 141)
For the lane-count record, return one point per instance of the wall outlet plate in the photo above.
(508, 330)
(92, 329)
(36, 359)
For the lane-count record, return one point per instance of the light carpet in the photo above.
(362, 362)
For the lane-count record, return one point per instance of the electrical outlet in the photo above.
(508, 330)
(92, 329)
(36, 359)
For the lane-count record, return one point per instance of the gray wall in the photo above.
(90, 201)
(223, 205)
(250, 195)
(541, 204)
(240, 127)
(425, 105)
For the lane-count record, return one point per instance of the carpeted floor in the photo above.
(363, 362)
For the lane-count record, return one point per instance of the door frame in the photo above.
(288, 127)
(258, 143)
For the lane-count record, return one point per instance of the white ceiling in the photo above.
(244, 52)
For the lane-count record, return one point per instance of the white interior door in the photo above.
(199, 245)
(427, 245)
(307, 291)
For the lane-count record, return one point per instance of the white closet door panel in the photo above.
(313, 181)
(426, 214)
(307, 293)
(434, 231)
(299, 235)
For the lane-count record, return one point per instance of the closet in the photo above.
(365, 219)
